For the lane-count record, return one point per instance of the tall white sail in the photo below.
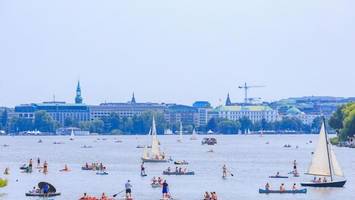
(72, 134)
(155, 143)
(324, 162)
(193, 136)
(180, 133)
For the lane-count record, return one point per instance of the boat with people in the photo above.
(178, 171)
(209, 141)
(102, 173)
(181, 162)
(300, 191)
(44, 190)
(324, 164)
(154, 154)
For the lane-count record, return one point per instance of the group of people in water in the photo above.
(210, 196)
(157, 181)
(29, 167)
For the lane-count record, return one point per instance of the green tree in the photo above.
(44, 122)
(70, 122)
(212, 124)
(20, 124)
(245, 124)
(228, 127)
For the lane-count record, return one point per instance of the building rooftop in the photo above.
(244, 108)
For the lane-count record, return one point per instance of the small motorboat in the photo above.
(181, 162)
(51, 191)
(209, 141)
(300, 191)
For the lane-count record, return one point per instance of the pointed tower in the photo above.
(228, 101)
(78, 98)
(133, 98)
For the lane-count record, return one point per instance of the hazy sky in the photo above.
(175, 50)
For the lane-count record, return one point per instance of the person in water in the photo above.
(224, 169)
(165, 189)
(6, 172)
(45, 167)
(38, 162)
(30, 164)
(66, 168)
(128, 188)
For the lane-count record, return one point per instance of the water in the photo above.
(249, 158)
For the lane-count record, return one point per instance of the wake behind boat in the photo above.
(154, 154)
(324, 163)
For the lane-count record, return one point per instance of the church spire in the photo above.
(133, 98)
(78, 98)
(228, 101)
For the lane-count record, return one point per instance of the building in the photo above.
(59, 111)
(175, 113)
(203, 108)
(128, 109)
(253, 112)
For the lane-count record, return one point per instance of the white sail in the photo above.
(324, 162)
(145, 153)
(72, 134)
(336, 167)
(180, 133)
(155, 143)
(193, 136)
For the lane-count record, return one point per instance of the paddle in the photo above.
(118, 193)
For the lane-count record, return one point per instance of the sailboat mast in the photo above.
(328, 153)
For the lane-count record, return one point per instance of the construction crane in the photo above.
(246, 88)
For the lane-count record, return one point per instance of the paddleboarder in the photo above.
(143, 170)
(165, 190)
(224, 169)
(128, 187)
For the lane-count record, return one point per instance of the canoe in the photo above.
(87, 168)
(178, 173)
(301, 191)
(327, 184)
(42, 195)
(278, 176)
(101, 173)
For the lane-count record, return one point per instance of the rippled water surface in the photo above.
(250, 158)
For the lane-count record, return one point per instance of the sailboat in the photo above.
(180, 133)
(72, 135)
(194, 135)
(324, 163)
(154, 154)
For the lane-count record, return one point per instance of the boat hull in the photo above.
(42, 195)
(153, 160)
(302, 191)
(278, 176)
(178, 174)
(327, 184)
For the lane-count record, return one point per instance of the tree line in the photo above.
(343, 121)
(114, 124)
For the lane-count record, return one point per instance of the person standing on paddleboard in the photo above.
(165, 190)
(128, 187)
(143, 169)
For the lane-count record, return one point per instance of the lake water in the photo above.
(249, 158)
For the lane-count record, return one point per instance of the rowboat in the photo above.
(42, 194)
(301, 191)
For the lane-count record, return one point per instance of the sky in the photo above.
(175, 51)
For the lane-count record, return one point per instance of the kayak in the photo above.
(87, 168)
(155, 185)
(178, 173)
(101, 173)
(42, 194)
(263, 191)
(278, 176)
